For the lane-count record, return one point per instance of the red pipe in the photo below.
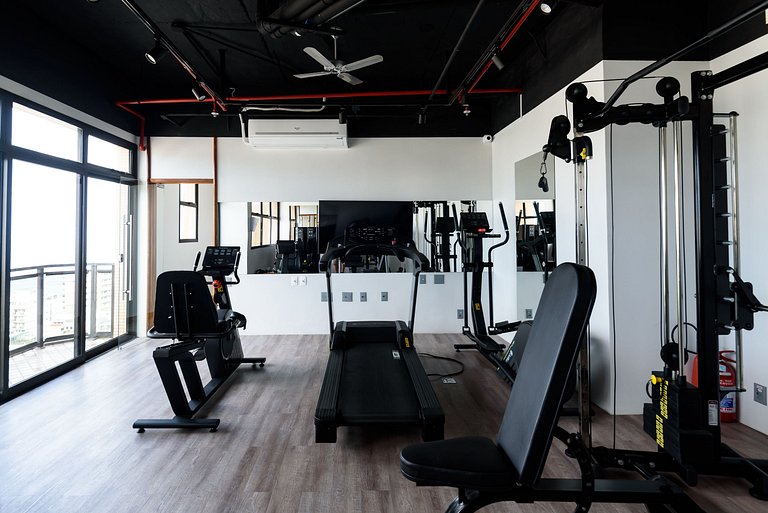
(319, 96)
(506, 41)
(142, 122)
(370, 94)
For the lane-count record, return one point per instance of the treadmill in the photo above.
(374, 375)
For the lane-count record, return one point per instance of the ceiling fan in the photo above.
(337, 67)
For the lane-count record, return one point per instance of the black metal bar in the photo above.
(737, 72)
(454, 52)
(744, 16)
(706, 260)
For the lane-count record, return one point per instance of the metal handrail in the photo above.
(39, 274)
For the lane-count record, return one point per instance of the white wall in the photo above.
(748, 98)
(182, 158)
(172, 254)
(371, 169)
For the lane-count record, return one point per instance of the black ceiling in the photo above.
(90, 54)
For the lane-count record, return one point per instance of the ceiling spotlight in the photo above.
(199, 92)
(548, 6)
(498, 62)
(156, 53)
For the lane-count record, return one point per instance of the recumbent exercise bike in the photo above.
(204, 328)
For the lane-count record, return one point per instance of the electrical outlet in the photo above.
(460, 313)
(439, 279)
(294, 281)
(346, 297)
(760, 396)
(323, 297)
(385, 296)
(422, 279)
(363, 297)
(303, 281)
(529, 313)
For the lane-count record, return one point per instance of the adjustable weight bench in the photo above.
(510, 468)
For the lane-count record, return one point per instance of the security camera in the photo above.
(487, 138)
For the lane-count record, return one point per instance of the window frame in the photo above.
(273, 219)
(188, 204)
(83, 170)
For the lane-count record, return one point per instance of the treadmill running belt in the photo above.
(375, 385)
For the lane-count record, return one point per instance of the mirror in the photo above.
(535, 229)
(288, 237)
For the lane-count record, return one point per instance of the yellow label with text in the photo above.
(407, 342)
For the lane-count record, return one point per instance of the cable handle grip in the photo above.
(197, 261)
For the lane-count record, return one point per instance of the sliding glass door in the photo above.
(108, 261)
(68, 196)
(43, 291)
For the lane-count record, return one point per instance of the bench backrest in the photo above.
(553, 345)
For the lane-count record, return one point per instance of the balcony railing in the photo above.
(43, 299)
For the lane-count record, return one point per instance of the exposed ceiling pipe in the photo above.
(317, 13)
(501, 40)
(454, 52)
(293, 97)
(142, 124)
(506, 41)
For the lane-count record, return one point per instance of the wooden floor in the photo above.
(69, 447)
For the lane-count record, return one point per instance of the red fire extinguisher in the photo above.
(728, 380)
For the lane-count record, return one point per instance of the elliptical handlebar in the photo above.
(457, 228)
(506, 231)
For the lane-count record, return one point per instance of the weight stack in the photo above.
(674, 420)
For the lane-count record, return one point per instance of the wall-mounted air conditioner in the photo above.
(295, 133)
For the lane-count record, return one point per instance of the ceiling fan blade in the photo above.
(346, 77)
(319, 57)
(368, 61)
(313, 74)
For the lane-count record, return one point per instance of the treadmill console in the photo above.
(475, 223)
(220, 258)
(370, 234)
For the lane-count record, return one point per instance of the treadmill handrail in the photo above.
(399, 251)
(419, 261)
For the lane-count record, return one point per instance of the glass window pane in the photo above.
(39, 132)
(43, 243)
(273, 231)
(106, 154)
(274, 205)
(187, 223)
(256, 231)
(107, 262)
(187, 192)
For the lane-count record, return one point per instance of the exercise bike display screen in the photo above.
(218, 257)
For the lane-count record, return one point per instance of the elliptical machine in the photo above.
(472, 230)
(204, 327)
